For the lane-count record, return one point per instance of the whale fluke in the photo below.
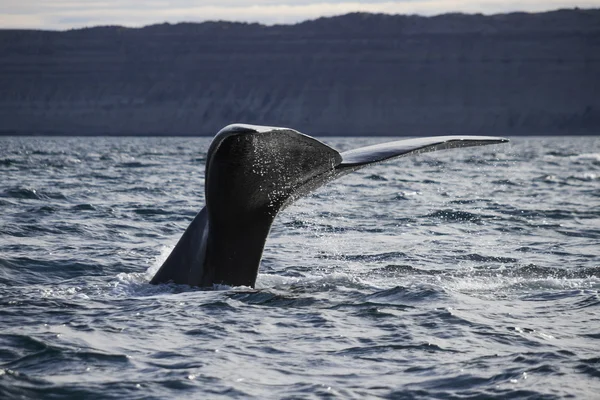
(252, 173)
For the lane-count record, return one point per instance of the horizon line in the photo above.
(308, 20)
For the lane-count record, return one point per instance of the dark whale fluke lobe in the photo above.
(252, 173)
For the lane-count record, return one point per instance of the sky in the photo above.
(68, 14)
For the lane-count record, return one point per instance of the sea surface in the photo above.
(467, 273)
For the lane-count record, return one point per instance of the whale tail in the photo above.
(253, 172)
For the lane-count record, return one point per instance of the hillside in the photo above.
(357, 74)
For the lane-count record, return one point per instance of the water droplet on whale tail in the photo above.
(253, 172)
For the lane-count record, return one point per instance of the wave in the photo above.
(25, 193)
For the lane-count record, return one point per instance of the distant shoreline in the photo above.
(505, 74)
(306, 20)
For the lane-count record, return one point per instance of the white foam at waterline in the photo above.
(343, 279)
(158, 261)
(586, 156)
(136, 283)
(501, 284)
(63, 292)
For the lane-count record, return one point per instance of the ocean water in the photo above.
(468, 273)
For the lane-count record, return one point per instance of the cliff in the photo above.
(357, 74)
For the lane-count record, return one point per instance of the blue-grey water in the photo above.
(468, 273)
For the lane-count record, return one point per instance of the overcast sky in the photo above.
(66, 14)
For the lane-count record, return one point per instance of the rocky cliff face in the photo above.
(358, 74)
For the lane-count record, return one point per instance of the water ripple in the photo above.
(459, 274)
